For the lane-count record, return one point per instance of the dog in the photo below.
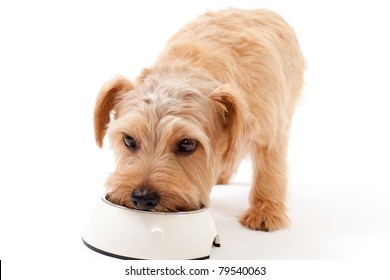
(224, 87)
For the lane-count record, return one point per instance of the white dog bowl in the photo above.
(132, 234)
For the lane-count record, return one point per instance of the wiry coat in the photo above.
(228, 80)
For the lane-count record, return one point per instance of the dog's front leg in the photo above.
(267, 210)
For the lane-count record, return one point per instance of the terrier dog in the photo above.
(225, 86)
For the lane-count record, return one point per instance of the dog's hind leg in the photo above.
(224, 178)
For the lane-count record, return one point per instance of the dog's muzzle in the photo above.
(145, 200)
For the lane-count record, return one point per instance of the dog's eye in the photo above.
(129, 142)
(186, 146)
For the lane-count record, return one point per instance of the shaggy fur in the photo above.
(229, 81)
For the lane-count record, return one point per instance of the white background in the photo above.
(55, 55)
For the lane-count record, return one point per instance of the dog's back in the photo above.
(257, 52)
(252, 48)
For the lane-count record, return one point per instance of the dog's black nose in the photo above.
(144, 199)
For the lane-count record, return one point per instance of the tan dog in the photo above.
(224, 86)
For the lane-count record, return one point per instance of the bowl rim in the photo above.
(141, 212)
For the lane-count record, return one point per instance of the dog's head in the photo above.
(170, 136)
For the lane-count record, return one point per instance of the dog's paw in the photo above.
(261, 219)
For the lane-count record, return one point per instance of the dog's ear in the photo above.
(109, 97)
(233, 111)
